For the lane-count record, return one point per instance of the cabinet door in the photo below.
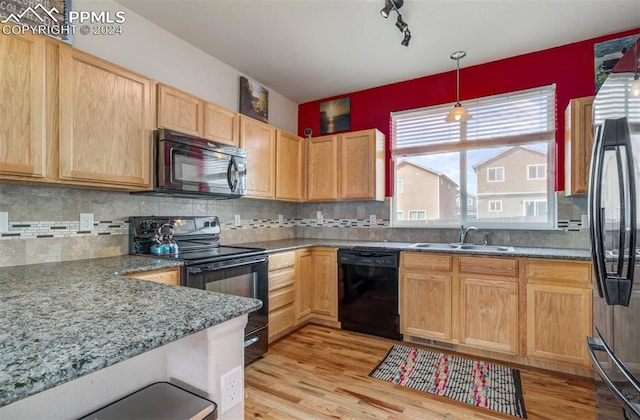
(221, 125)
(22, 105)
(322, 168)
(259, 140)
(179, 111)
(425, 305)
(558, 320)
(105, 122)
(325, 283)
(578, 137)
(304, 284)
(289, 166)
(361, 165)
(489, 314)
(169, 276)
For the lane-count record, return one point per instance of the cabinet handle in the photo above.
(252, 340)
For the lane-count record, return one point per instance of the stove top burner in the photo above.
(197, 239)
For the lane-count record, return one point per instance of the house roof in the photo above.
(425, 168)
(511, 149)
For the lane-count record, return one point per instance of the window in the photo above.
(399, 186)
(537, 171)
(460, 169)
(399, 215)
(495, 205)
(417, 215)
(495, 174)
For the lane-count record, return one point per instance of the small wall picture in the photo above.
(335, 116)
(607, 54)
(254, 100)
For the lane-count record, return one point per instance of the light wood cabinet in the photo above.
(362, 165)
(167, 276)
(221, 125)
(289, 166)
(324, 301)
(282, 294)
(179, 111)
(559, 310)
(489, 303)
(259, 140)
(425, 295)
(106, 121)
(578, 138)
(22, 101)
(322, 168)
(304, 285)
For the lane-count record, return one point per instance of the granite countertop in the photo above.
(292, 244)
(63, 320)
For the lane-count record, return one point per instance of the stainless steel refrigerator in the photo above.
(613, 214)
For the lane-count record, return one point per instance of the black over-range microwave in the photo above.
(194, 167)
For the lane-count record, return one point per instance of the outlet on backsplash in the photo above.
(4, 222)
(236, 220)
(319, 219)
(372, 220)
(86, 221)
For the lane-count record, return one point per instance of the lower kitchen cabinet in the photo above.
(425, 295)
(489, 303)
(324, 301)
(167, 276)
(559, 310)
(282, 293)
(304, 285)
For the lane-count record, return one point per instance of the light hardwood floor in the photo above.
(319, 372)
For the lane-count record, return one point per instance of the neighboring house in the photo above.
(472, 206)
(512, 185)
(424, 194)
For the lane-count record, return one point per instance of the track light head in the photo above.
(401, 24)
(407, 38)
(389, 6)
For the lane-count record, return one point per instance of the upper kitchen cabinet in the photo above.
(362, 163)
(185, 113)
(23, 106)
(180, 111)
(259, 140)
(347, 166)
(578, 137)
(322, 168)
(289, 166)
(221, 125)
(106, 120)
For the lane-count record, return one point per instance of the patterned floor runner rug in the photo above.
(474, 382)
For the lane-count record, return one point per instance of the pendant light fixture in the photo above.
(458, 113)
(635, 86)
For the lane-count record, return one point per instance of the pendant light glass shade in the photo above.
(635, 86)
(458, 113)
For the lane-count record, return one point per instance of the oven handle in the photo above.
(253, 340)
(196, 270)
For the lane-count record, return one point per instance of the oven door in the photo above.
(189, 168)
(247, 279)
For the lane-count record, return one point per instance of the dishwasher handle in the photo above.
(369, 258)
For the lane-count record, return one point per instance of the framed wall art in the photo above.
(254, 100)
(335, 116)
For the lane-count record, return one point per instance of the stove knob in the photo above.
(206, 224)
(213, 222)
(144, 226)
(153, 225)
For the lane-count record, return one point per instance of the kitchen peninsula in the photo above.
(76, 336)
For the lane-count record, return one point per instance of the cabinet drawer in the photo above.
(281, 278)
(281, 297)
(282, 260)
(167, 276)
(507, 267)
(554, 271)
(281, 320)
(423, 261)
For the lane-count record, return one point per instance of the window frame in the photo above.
(489, 202)
(417, 211)
(537, 133)
(400, 186)
(537, 165)
(495, 168)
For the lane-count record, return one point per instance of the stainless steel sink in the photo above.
(463, 247)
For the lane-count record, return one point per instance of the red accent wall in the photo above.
(570, 67)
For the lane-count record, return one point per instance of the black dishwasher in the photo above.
(368, 292)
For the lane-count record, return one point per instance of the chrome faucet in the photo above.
(464, 232)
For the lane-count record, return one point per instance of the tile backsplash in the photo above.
(44, 223)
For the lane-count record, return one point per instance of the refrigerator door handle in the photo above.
(598, 344)
(596, 211)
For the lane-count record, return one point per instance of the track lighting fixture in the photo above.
(391, 5)
(458, 113)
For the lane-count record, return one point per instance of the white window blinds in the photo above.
(516, 117)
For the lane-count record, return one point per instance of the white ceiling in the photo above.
(313, 49)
